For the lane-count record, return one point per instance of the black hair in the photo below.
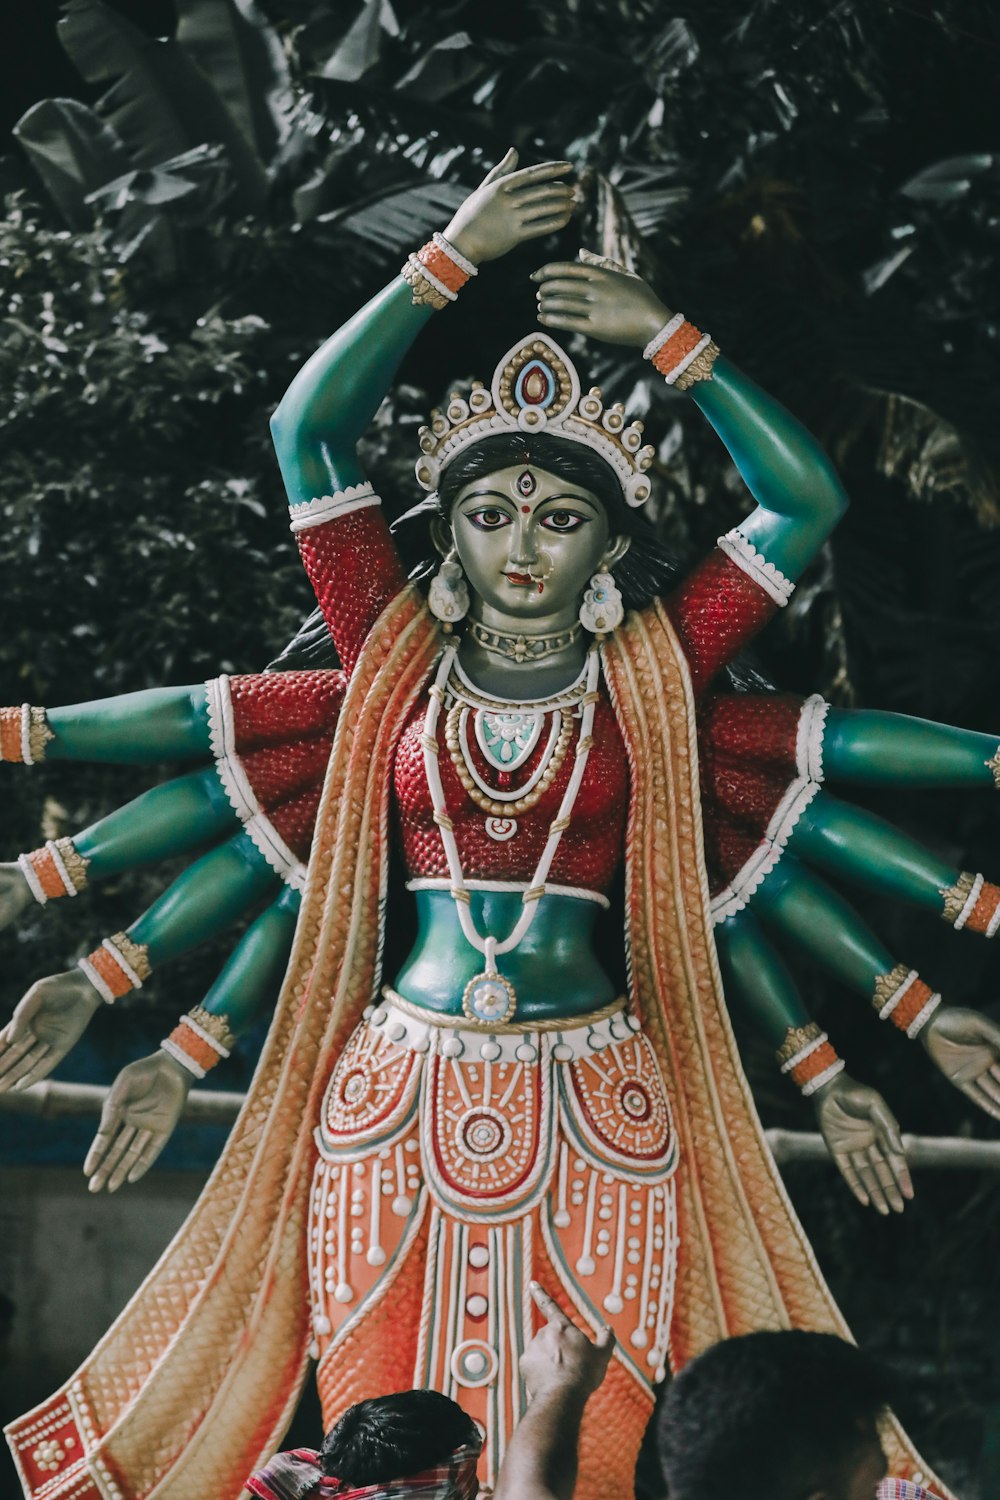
(773, 1416)
(646, 570)
(391, 1437)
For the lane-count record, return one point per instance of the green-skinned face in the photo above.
(529, 543)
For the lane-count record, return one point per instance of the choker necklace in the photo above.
(517, 646)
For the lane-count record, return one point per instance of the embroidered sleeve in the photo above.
(351, 561)
(723, 604)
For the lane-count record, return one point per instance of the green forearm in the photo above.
(134, 729)
(758, 984)
(337, 392)
(883, 749)
(252, 976)
(204, 900)
(797, 905)
(168, 820)
(799, 497)
(849, 842)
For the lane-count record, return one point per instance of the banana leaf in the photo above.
(397, 219)
(360, 48)
(161, 103)
(73, 151)
(239, 52)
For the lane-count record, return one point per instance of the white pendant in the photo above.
(507, 738)
(501, 829)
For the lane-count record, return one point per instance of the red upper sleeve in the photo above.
(716, 611)
(355, 570)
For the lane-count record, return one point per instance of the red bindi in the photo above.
(526, 510)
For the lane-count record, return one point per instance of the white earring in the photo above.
(602, 608)
(449, 595)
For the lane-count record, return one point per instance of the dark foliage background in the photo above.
(817, 184)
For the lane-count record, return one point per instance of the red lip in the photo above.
(520, 580)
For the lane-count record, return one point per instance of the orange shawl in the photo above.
(194, 1385)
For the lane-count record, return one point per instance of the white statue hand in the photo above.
(15, 894)
(140, 1114)
(510, 207)
(965, 1046)
(49, 1020)
(588, 296)
(863, 1138)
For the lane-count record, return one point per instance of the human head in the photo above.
(774, 1416)
(641, 566)
(393, 1437)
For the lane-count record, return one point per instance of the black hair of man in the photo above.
(770, 1416)
(391, 1437)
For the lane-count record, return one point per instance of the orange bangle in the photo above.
(902, 998)
(24, 733)
(807, 1055)
(440, 265)
(199, 1041)
(55, 870)
(117, 966)
(972, 903)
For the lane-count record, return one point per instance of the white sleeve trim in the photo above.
(236, 785)
(323, 508)
(754, 871)
(809, 738)
(756, 566)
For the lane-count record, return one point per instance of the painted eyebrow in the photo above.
(549, 499)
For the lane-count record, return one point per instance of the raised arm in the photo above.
(726, 600)
(343, 538)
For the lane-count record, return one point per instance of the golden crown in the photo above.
(536, 388)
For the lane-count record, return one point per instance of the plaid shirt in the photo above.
(903, 1489)
(296, 1475)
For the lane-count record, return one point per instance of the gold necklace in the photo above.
(496, 807)
(520, 647)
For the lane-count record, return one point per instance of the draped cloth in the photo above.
(297, 1476)
(193, 1386)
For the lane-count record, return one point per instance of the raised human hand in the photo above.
(560, 1357)
(863, 1138)
(593, 297)
(139, 1116)
(15, 894)
(965, 1046)
(511, 206)
(50, 1019)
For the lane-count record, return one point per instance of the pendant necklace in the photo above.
(489, 996)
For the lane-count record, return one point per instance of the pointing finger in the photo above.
(548, 1307)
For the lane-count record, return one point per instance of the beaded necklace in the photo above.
(489, 996)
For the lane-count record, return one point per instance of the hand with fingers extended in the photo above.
(15, 894)
(511, 206)
(50, 1019)
(561, 1368)
(965, 1046)
(140, 1114)
(863, 1138)
(562, 1358)
(599, 299)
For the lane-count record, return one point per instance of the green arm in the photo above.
(335, 395)
(135, 729)
(881, 749)
(205, 899)
(799, 906)
(757, 979)
(167, 820)
(799, 497)
(849, 842)
(253, 973)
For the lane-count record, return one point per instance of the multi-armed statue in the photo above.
(558, 706)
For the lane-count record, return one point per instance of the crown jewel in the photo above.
(535, 388)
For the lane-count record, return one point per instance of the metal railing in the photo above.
(55, 1101)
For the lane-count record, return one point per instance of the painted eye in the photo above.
(563, 520)
(490, 518)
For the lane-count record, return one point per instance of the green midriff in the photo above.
(553, 969)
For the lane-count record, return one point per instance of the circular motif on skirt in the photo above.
(490, 999)
(474, 1364)
(635, 1100)
(355, 1088)
(501, 829)
(483, 1134)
